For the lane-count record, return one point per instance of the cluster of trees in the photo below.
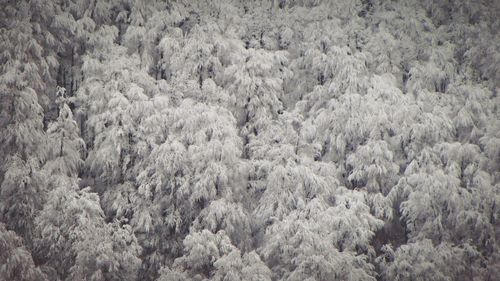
(236, 140)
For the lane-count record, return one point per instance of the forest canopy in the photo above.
(232, 140)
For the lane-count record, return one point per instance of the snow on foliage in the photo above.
(263, 140)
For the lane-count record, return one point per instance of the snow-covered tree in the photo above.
(22, 126)
(23, 191)
(66, 147)
(261, 140)
(424, 261)
(75, 240)
(307, 244)
(16, 262)
(212, 255)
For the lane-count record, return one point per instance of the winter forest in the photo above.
(233, 140)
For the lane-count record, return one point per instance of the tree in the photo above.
(424, 261)
(15, 260)
(212, 255)
(23, 192)
(22, 125)
(231, 217)
(76, 241)
(23, 147)
(192, 163)
(28, 62)
(373, 167)
(66, 148)
(111, 104)
(306, 246)
(254, 82)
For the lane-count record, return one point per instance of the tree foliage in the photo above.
(237, 140)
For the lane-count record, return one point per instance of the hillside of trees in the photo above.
(233, 140)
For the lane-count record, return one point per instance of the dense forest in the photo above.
(234, 140)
